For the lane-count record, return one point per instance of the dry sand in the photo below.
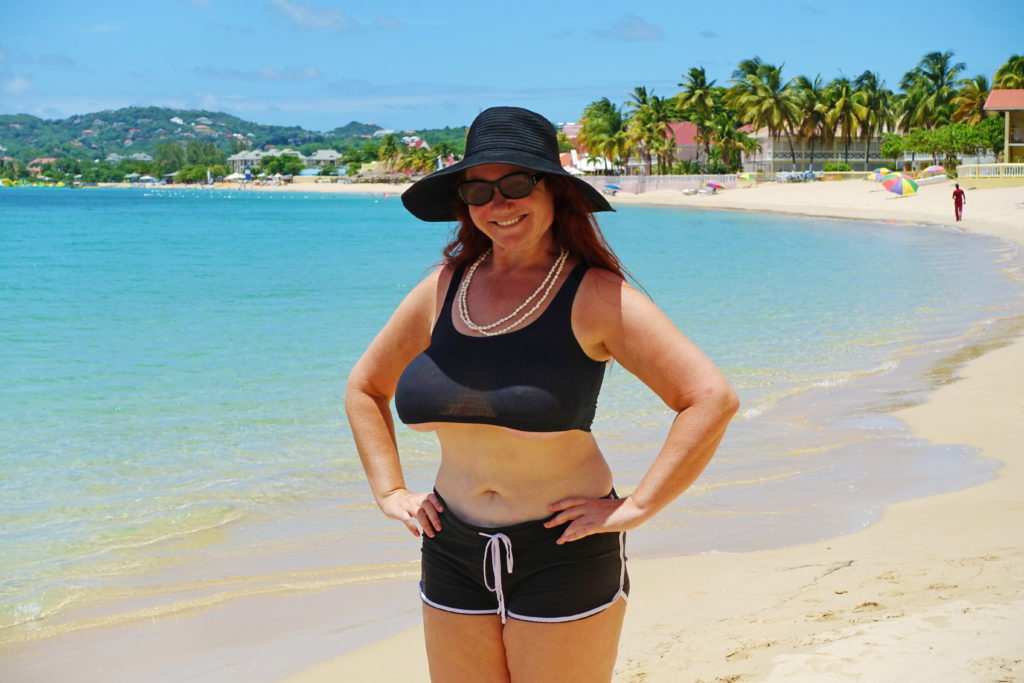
(933, 592)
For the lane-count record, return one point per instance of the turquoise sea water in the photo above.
(173, 366)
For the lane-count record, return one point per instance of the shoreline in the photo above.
(930, 591)
(663, 616)
(990, 211)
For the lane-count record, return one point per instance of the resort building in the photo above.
(812, 153)
(250, 158)
(1009, 173)
(685, 135)
(323, 157)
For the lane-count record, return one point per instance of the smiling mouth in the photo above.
(510, 221)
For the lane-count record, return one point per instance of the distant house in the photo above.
(114, 158)
(250, 158)
(286, 150)
(685, 134)
(35, 167)
(177, 120)
(323, 157)
(88, 133)
(1009, 103)
(204, 121)
(245, 159)
(415, 142)
(140, 156)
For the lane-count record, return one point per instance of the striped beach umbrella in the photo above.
(746, 176)
(935, 169)
(883, 170)
(899, 184)
(714, 185)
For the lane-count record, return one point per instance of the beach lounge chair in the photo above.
(690, 191)
(705, 192)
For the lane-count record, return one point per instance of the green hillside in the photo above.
(133, 130)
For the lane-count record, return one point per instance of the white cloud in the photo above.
(387, 22)
(307, 17)
(16, 85)
(290, 74)
(632, 28)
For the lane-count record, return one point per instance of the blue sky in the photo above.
(416, 64)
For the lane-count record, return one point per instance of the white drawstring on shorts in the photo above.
(493, 551)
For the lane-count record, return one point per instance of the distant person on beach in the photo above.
(501, 351)
(959, 199)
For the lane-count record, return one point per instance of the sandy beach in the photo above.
(934, 591)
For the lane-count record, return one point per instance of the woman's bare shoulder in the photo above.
(602, 289)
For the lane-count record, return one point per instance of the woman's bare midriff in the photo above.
(493, 476)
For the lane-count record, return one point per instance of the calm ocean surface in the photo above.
(173, 366)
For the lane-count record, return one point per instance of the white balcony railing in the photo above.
(990, 170)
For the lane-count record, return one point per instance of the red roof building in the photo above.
(1005, 100)
(1010, 103)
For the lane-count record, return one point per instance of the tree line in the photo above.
(935, 111)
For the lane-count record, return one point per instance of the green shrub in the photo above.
(836, 166)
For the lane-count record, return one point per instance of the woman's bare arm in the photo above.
(371, 386)
(616, 321)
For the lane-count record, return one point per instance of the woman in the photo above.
(501, 352)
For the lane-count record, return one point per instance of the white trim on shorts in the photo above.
(551, 620)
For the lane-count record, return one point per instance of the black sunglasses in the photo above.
(513, 186)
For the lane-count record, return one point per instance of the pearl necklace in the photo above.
(488, 330)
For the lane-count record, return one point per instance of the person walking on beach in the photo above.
(501, 352)
(959, 199)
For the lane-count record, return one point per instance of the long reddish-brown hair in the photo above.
(574, 229)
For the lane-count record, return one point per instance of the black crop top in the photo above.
(535, 378)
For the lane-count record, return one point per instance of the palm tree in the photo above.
(1011, 74)
(389, 152)
(931, 87)
(730, 141)
(661, 112)
(698, 102)
(750, 67)
(603, 131)
(970, 101)
(639, 130)
(878, 108)
(417, 160)
(846, 110)
(763, 100)
(813, 108)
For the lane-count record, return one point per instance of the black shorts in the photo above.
(520, 572)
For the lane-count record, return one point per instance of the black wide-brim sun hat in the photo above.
(499, 135)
